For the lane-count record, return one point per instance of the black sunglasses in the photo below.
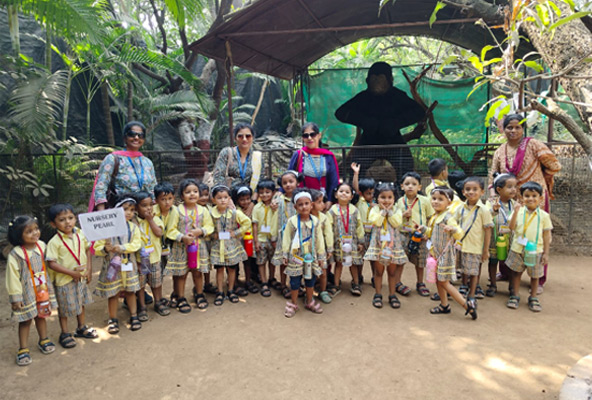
(309, 135)
(132, 134)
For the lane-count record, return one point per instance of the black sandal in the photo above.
(265, 292)
(113, 326)
(233, 297)
(174, 300)
(274, 284)
(201, 301)
(135, 324)
(183, 306)
(286, 293)
(394, 301)
(86, 332)
(219, 300)
(67, 341)
(440, 309)
(471, 309)
(241, 291)
(211, 289)
(251, 287)
(161, 307)
(377, 300)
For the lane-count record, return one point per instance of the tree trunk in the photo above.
(13, 27)
(48, 49)
(66, 108)
(130, 101)
(107, 113)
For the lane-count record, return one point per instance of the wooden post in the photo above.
(228, 65)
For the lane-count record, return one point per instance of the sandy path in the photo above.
(352, 351)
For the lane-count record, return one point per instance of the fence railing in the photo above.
(30, 185)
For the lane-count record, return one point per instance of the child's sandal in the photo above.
(183, 306)
(66, 340)
(422, 289)
(479, 293)
(440, 309)
(325, 298)
(46, 346)
(275, 285)
(356, 289)
(513, 302)
(402, 289)
(394, 301)
(143, 314)
(86, 332)
(23, 357)
(290, 309)
(241, 291)
(219, 299)
(135, 324)
(161, 307)
(377, 301)
(491, 291)
(534, 304)
(252, 288)
(233, 297)
(265, 292)
(471, 309)
(286, 293)
(113, 326)
(174, 300)
(314, 307)
(201, 301)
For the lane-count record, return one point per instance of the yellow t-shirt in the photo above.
(172, 215)
(474, 238)
(13, 272)
(150, 239)
(364, 208)
(244, 222)
(131, 241)
(58, 252)
(327, 232)
(262, 216)
(203, 214)
(420, 213)
(537, 219)
(393, 216)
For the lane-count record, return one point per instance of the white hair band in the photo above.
(126, 200)
(243, 189)
(301, 195)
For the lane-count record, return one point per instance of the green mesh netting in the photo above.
(457, 117)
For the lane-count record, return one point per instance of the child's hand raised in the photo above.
(355, 167)
(496, 207)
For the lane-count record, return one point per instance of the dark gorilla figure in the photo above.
(381, 111)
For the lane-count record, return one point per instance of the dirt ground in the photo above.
(351, 351)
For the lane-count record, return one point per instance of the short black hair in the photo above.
(366, 184)
(185, 183)
(456, 179)
(445, 190)
(139, 196)
(384, 187)
(411, 174)
(202, 186)
(316, 194)
(355, 197)
(220, 188)
(531, 185)
(57, 209)
(163, 188)
(436, 166)
(240, 190)
(474, 179)
(266, 184)
(17, 226)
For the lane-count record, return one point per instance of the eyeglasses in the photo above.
(241, 136)
(132, 134)
(309, 135)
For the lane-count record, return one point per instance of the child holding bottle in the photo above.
(318, 205)
(262, 217)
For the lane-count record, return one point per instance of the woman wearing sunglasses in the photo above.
(124, 171)
(318, 166)
(240, 164)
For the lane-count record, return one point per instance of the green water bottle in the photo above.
(530, 256)
(501, 245)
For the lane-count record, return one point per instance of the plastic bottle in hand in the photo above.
(414, 242)
(42, 298)
(248, 240)
(114, 268)
(192, 256)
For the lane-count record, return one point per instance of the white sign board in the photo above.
(103, 224)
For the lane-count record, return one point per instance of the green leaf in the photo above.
(570, 3)
(476, 63)
(477, 86)
(484, 51)
(504, 111)
(448, 60)
(543, 13)
(565, 20)
(534, 65)
(492, 109)
(433, 17)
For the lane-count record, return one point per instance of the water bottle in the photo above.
(307, 269)
(414, 242)
(530, 254)
(114, 268)
(501, 245)
(431, 269)
(144, 262)
(42, 299)
(248, 243)
(192, 256)
(385, 256)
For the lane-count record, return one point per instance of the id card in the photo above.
(347, 239)
(385, 237)
(149, 248)
(127, 267)
(348, 260)
(503, 229)
(298, 260)
(522, 240)
(429, 244)
(368, 227)
(224, 235)
(266, 229)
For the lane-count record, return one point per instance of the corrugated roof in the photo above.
(282, 37)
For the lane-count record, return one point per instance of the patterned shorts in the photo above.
(516, 263)
(72, 297)
(265, 254)
(469, 263)
(154, 278)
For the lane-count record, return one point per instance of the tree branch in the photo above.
(150, 73)
(491, 13)
(160, 21)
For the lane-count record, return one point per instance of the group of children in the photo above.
(440, 234)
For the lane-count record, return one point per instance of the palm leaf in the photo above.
(38, 102)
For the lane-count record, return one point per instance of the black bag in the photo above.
(111, 193)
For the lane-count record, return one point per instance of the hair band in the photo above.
(243, 189)
(126, 200)
(302, 194)
(500, 176)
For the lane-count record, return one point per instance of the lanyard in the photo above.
(195, 220)
(527, 224)
(140, 177)
(70, 250)
(503, 211)
(318, 174)
(129, 234)
(311, 237)
(242, 168)
(223, 221)
(413, 204)
(265, 217)
(345, 222)
(368, 210)
(387, 228)
(462, 213)
(31, 268)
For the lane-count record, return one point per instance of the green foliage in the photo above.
(439, 5)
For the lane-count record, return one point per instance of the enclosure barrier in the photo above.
(31, 184)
